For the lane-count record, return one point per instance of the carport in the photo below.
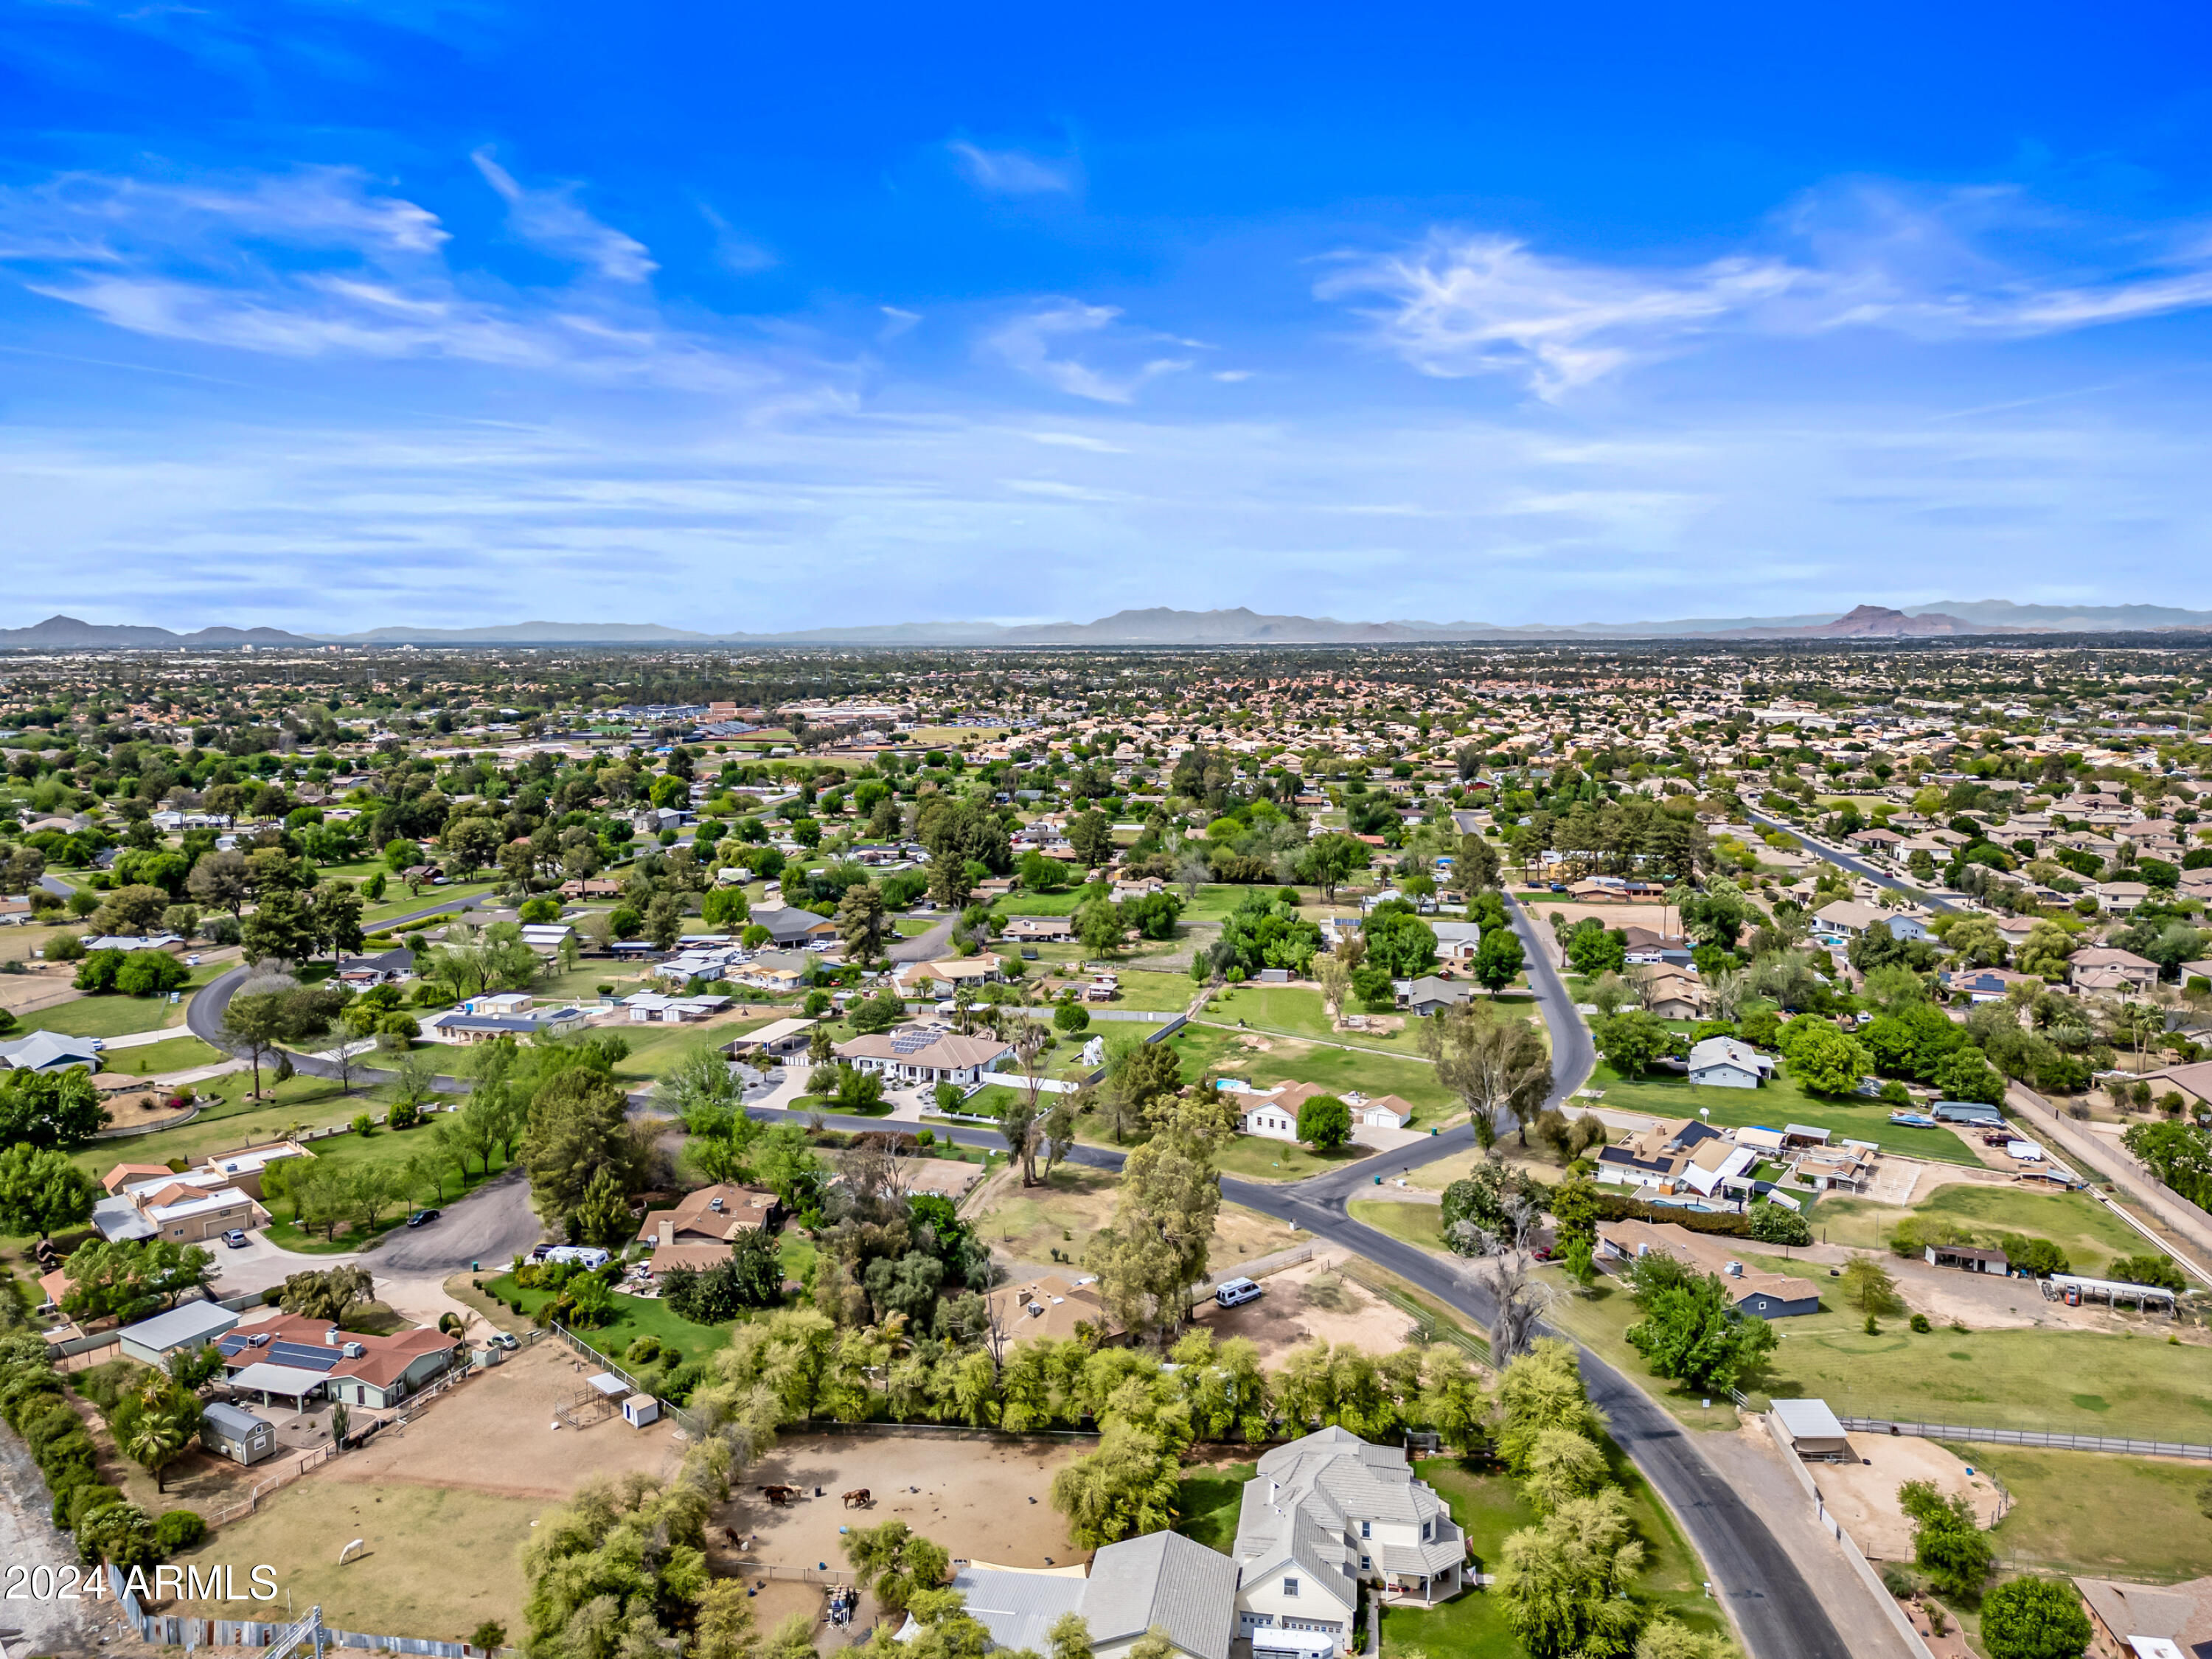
(1811, 1429)
(290, 1382)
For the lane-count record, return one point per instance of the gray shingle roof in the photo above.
(1163, 1581)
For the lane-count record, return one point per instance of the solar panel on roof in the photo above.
(912, 1042)
(301, 1355)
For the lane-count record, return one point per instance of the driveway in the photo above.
(928, 946)
(493, 1225)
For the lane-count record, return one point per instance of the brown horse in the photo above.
(857, 1498)
(778, 1495)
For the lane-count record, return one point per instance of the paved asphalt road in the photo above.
(924, 947)
(1856, 865)
(492, 1225)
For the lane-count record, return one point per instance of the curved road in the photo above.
(1775, 1609)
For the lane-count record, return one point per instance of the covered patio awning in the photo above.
(293, 1381)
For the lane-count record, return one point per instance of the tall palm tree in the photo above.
(156, 1441)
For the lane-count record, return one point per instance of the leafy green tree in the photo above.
(1954, 1553)
(1691, 1333)
(1498, 959)
(1324, 1123)
(862, 922)
(1777, 1223)
(41, 1191)
(1564, 1584)
(329, 1293)
(1868, 1287)
(1822, 1059)
(895, 1562)
(1631, 1040)
(1092, 834)
(577, 1129)
(130, 1278)
(1123, 1489)
(2030, 1617)
(50, 1109)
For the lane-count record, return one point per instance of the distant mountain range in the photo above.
(1160, 626)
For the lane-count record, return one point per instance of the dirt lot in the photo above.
(494, 1434)
(1311, 1303)
(1027, 1225)
(984, 1500)
(1863, 1495)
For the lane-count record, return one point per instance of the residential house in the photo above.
(2107, 968)
(925, 1055)
(1379, 1112)
(190, 1208)
(1981, 985)
(1726, 1062)
(1648, 946)
(1456, 941)
(591, 887)
(49, 1051)
(2148, 1621)
(456, 1026)
(1160, 1581)
(2120, 897)
(1752, 1290)
(1841, 921)
(1039, 930)
(699, 1231)
(1324, 1515)
(1670, 992)
(931, 980)
(1428, 996)
(1050, 1306)
(1847, 1167)
(1272, 1113)
(301, 1359)
(789, 926)
(1677, 1155)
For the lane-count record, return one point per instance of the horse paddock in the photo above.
(982, 1499)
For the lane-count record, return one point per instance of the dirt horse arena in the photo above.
(494, 1434)
(983, 1500)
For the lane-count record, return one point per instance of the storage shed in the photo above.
(233, 1431)
(641, 1409)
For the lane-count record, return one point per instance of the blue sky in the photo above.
(337, 315)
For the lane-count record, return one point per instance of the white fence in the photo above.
(1857, 1556)
(1988, 1436)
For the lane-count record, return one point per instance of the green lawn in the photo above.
(1206, 1502)
(2083, 1512)
(2089, 1233)
(2070, 1381)
(1259, 1158)
(226, 1118)
(398, 902)
(1419, 1225)
(176, 1053)
(1774, 1104)
(634, 1316)
(106, 1016)
(1293, 1061)
(1489, 1508)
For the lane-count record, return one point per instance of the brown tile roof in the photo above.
(696, 1220)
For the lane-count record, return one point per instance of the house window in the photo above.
(1425, 1527)
(1290, 1587)
(1366, 1564)
(1367, 1529)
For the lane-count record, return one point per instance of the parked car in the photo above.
(422, 1218)
(99, 1045)
(504, 1340)
(236, 1238)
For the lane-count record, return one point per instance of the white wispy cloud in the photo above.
(551, 221)
(1027, 343)
(733, 251)
(1013, 172)
(1933, 265)
(327, 262)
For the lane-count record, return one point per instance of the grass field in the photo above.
(1259, 1158)
(227, 1118)
(2070, 1381)
(2090, 1234)
(1206, 1502)
(1300, 1012)
(1774, 1104)
(438, 1562)
(1287, 1059)
(2082, 1513)
(108, 1016)
(398, 902)
(176, 1053)
(1419, 1225)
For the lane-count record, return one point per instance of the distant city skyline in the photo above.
(326, 318)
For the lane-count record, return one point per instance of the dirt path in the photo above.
(27, 1537)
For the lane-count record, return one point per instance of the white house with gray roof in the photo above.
(1162, 1581)
(1324, 1515)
